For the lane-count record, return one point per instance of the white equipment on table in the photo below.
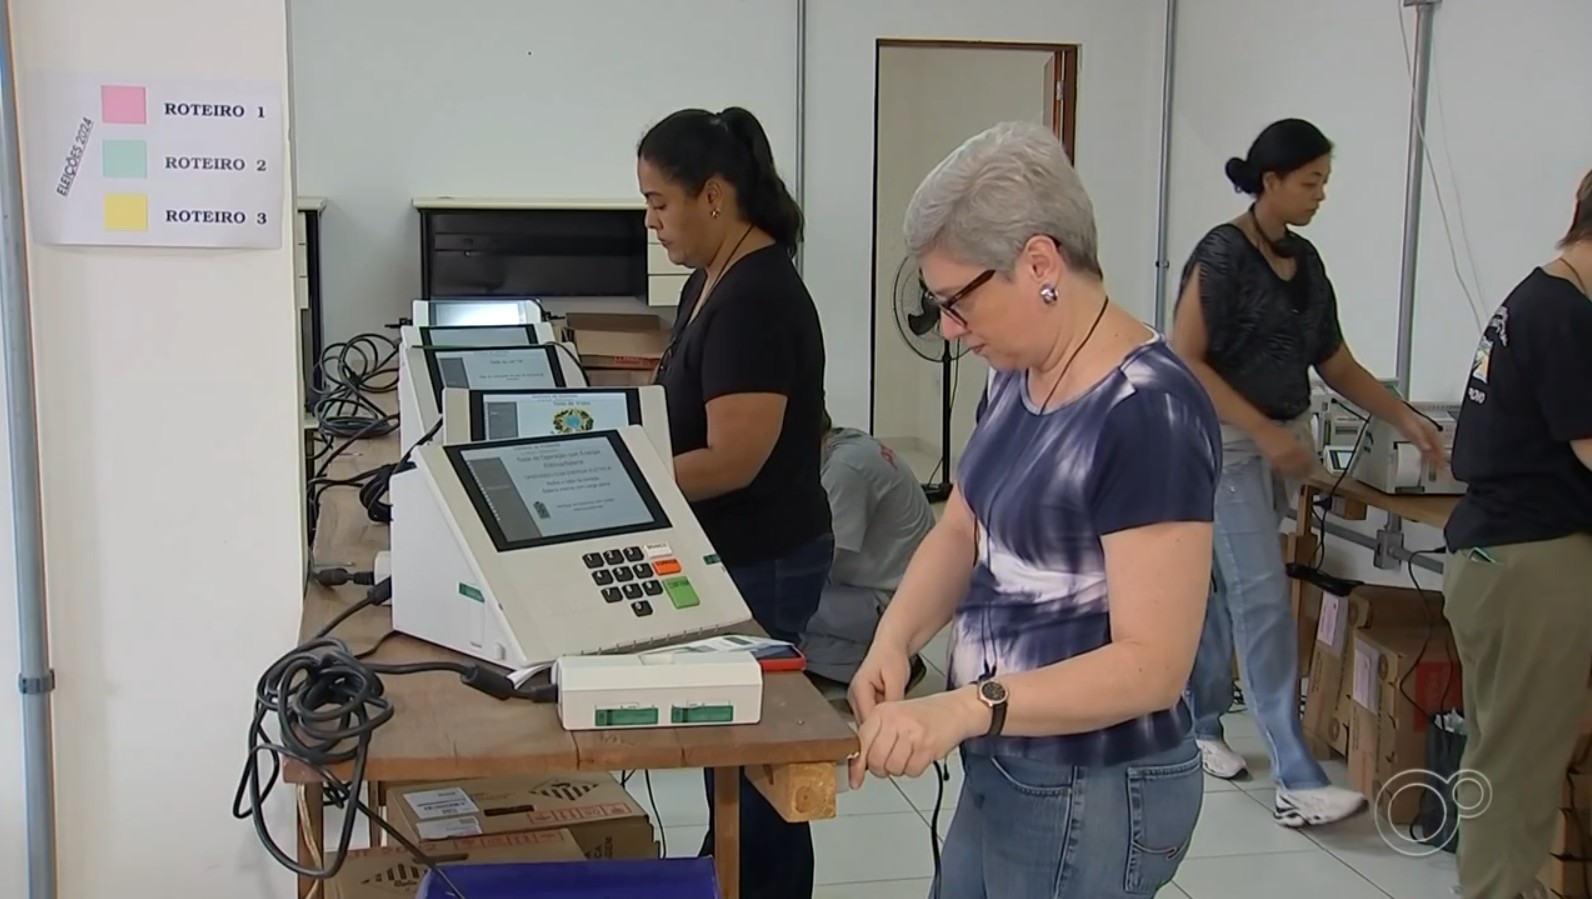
(1386, 461)
(1337, 423)
(615, 692)
(443, 311)
(519, 552)
(479, 335)
(471, 416)
(425, 371)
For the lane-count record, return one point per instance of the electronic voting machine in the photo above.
(425, 371)
(470, 416)
(526, 550)
(483, 335)
(476, 311)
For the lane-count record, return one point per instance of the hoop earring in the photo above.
(1048, 294)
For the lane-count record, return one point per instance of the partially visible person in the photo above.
(744, 381)
(1074, 553)
(880, 515)
(1256, 312)
(1517, 584)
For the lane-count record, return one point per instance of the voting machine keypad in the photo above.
(636, 575)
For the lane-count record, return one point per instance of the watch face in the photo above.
(992, 692)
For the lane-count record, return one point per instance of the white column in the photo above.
(171, 465)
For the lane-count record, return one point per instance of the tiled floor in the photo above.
(878, 845)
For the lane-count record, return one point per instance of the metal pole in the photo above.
(1414, 183)
(798, 170)
(1163, 265)
(36, 681)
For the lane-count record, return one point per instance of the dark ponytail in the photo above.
(693, 145)
(1282, 149)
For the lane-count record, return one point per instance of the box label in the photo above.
(449, 803)
(1366, 684)
(1327, 628)
(449, 828)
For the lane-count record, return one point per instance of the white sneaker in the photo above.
(1220, 760)
(1322, 805)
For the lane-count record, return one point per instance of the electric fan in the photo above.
(917, 318)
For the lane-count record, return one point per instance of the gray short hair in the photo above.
(996, 192)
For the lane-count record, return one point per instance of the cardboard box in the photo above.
(391, 873)
(1400, 677)
(597, 811)
(617, 342)
(1329, 706)
(1566, 877)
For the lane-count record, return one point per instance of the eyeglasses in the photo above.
(947, 306)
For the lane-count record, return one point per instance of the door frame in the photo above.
(1063, 118)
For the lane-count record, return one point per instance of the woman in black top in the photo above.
(1256, 313)
(1517, 583)
(744, 376)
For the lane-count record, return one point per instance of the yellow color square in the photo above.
(126, 212)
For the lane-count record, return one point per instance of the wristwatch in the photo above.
(993, 695)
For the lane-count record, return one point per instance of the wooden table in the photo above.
(1427, 510)
(1351, 499)
(442, 730)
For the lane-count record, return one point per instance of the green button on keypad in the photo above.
(681, 593)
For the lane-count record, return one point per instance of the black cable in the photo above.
(942, 775)
(327, 703)
(652, 800)
(348, 374)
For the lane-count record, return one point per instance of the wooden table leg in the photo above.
(311, 834)
(376, 798)
(727, 830)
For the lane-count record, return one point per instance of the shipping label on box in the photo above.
(1367, 686)
(1334, 622)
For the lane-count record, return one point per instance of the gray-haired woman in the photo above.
(1075, 554)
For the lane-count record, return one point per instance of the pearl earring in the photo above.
(715, 213)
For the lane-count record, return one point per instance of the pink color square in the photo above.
(121, 105)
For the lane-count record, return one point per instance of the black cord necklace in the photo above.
(1284, 247)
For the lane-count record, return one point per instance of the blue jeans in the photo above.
(1029, 830)
(1250, 606)
(776, 855)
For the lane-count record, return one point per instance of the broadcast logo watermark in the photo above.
(1460, 796)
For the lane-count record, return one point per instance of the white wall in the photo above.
(1118, 127)
(1510, 140)
(171, 467)
(503, 98)
(931, 99)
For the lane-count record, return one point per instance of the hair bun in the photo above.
(1243, 175)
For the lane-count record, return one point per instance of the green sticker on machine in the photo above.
(681, 593)
(469, 592)
(711, 559)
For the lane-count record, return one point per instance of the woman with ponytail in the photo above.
(1255, 315)
(744, 378)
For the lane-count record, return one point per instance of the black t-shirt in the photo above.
(1263, 334)
(1529, 395)
(758, 333)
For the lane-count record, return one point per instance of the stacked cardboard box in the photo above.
(1402, 676)
(617, 349)
(391, 873)
(598, 813)
(1568, 871)
(1329, 704)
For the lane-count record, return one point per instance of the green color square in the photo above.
(126, 158)
(469, 592)
(681, 593)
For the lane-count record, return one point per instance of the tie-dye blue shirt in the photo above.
(1140, 447)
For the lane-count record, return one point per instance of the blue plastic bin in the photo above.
(670, 878)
